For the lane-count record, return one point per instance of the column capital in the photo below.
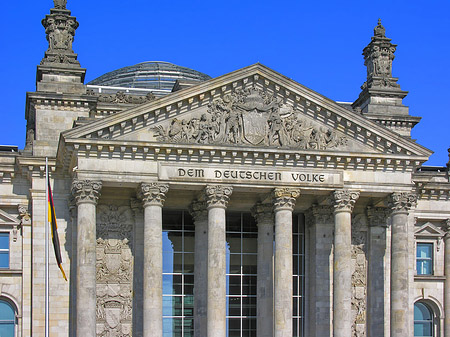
(198, 210)
(218, 195)
(344, 200)
(402, 202)
(378, 216)
(263, 213)
(284, 198)
(152, 193)
(86, 191)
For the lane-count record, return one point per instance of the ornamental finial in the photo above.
(60, 4)
(379, 30)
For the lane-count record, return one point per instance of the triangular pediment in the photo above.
(8, 219)
(429, 230)
(253, 107)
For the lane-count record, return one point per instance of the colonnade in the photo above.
(274, 287)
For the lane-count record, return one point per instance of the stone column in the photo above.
(86, 195)
(263, 214)
(447, 279)
(284, 202)
(320, 221)
(200, 215)
(217, 197)
(376, 270)
(153, 197)
(400, 204)
(344, 202)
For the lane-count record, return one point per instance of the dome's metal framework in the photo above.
(153, 75)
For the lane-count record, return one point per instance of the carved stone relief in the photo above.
(114, 271)
(359, 275)
(250, 117)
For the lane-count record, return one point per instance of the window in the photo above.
(423, 320)
(424, 259)
(4, 250)
(7, 319)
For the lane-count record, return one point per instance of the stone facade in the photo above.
(337, 193)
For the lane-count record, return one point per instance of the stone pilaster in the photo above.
(138, 270)
(86, 194)
(320, 222)
(378, 218)
(284, 203)
(344, 202)
(263, 213)
(153, 197)
(447, 279)
(400, 204)
(199, 213)
(217, 197)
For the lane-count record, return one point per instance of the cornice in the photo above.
(136, 150)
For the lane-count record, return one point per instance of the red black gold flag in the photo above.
(54, 229)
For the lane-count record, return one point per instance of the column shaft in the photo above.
(153, 197)
(200, 216)
(264, 281)
(376, 271)
(320, 221)
(284, 202)
(86, 270)
(400, 307)
(283, 273)
(216, 304)
(86, 194)
(217, 197)
(342, 273)
(152, 271)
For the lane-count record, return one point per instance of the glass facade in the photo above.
(241, 273)
(241, 236)
(298, 256)
(423, 320)
(424, 259)
(178, 274)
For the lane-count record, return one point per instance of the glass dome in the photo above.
(153, 75)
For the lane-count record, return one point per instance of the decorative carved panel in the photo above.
(114, 271)
(251, 117)
(359, 275)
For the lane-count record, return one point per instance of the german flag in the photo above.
(54, 229)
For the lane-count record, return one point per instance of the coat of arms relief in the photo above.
(251, 117)
(114, 271)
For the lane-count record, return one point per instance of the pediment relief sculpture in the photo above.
(250, 117)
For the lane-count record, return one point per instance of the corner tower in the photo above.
(381, 97)
(60, 97)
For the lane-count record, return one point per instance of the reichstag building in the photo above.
(243, 205)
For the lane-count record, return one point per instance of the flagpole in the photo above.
(46, 252)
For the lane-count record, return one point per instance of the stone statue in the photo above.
(60, 4)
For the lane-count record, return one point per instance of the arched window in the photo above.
(7, 319)
(423, 320)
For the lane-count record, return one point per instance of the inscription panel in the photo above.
(235, 174)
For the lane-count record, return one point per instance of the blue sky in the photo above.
(316, 43)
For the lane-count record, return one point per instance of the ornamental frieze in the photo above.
(250, 117)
